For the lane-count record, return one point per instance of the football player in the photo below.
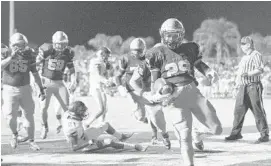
(91, 138)
(16, 65)
(133, 63)
(98, 81)
(55, 58)
(173, 62)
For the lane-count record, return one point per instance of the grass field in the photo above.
(55, 150)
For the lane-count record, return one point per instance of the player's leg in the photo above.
(101, 100)
(96, 131)
(182, 122)
(157, 118)
(44, 111)
(204, 111)
(10, 110)
(28, 107)
(58, 111)
(124, 145)
(62, 96)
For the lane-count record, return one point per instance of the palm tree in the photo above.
(218, 38)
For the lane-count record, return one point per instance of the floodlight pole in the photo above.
(11, 18)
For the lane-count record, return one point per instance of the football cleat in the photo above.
(58, 129)
(14, 142)
(199, 145)
(33, 146)
(154, 141)
(124, 137)
(141, 148)
(166, 140)
(44, 132)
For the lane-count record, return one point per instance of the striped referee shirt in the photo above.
(249, 63)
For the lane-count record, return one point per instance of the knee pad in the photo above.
(184, 132)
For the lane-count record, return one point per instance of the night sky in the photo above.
(83, 20)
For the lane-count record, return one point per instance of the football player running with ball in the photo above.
(55, 58)
(172, 65)
(92, 138)
(137, 78)
(16, 66)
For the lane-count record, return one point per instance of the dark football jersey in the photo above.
(176, 66)
(54, 63)
(17, 72)
(128, 64)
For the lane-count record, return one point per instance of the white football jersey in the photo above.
(97, 70)
(72, 127)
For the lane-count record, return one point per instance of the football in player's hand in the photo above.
(206, 81)
(166, 89)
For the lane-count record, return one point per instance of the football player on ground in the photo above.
(130, 64)
(55, 58)
(16, 66)
(92, 137)
(173, 62)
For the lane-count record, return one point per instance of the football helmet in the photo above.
(172, 33)
(138, 47)
(60, 40)
(18, 42)
(103, 53)
(78, 110)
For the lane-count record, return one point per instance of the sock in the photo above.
(110, 130)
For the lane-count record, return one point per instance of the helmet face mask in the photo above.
(138, 47)
(138, 53)
(172, 33)
(60, 41)
(60, 46)
(18, 42)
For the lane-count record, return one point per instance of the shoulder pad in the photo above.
(158, 44)
(46, 47)
(191, 45)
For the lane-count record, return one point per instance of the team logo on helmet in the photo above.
(60, 40)
(172, 33)
(18, 41)
(138, 47)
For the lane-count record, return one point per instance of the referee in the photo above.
(249, 92)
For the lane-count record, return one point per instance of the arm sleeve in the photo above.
(70, 63)
(33, 66)
(123, 63)
(201, 66)
(258, 61)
